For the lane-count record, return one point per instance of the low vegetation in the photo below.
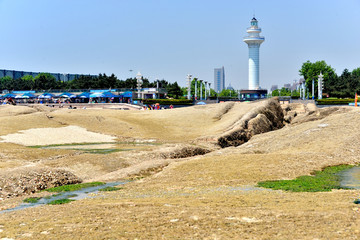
(335, 101)
(168, 101)
(110, 189)
(74, 187)
(60, 201)
(320, 181)
(32, 199)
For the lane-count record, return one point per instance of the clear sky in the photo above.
(168, 39)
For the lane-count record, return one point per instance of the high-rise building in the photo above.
(274, 87)
(219, 79)
(253, 41)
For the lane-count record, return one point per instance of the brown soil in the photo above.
(210, 196)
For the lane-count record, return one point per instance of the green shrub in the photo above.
(321, 181)
(74, 187)
(167, 101)
(32, 199)
(332, 101)
(109, 189)
(60, 201)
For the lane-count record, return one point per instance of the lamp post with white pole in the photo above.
(320, 85)
(189, 86)
(157, 88)
(195, 89)
(312, 90)
(205, 89)
(139, 83)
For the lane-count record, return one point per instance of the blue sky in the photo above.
(168, 39)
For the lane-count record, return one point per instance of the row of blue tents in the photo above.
(69, 95)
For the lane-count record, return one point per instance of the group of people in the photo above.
(155, 107)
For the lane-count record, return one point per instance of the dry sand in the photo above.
(211, 196)
(53, 136)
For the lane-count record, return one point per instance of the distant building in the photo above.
(219, 79)
(59, 76)
(230, 87)
(274, 87)
(287, 85)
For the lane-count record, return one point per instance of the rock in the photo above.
(264, 118)
(259, 124)
(34, 180)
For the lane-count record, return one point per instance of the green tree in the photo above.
(285, 92)
(228, 93)
(6, 83)
(45, 81)
(27, 82)
(198, 88)
(174, 90)
(213, 93)
(311, 71)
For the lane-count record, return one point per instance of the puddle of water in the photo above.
(350, 178)
(73, 195)
(104, 147)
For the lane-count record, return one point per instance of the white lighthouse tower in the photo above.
(253, 41)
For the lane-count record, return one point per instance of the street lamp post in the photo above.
(304, 91)
(312, 90)
(320, 85)
(189, 86)
(157, 89)
(195, 89)
(205, 89)
(139, 83)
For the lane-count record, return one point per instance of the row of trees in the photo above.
(341, 86)
(286, 92)
(45, 81)
(223, 93)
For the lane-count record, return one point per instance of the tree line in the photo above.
(341, 86)
(47, 82)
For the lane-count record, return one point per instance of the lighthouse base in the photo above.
(252, 95)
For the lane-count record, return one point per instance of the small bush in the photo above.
(110, 189)
(32, 199)
(60, 201)
(357, 201)
(51, 196)
(74, 187)
(332, 101)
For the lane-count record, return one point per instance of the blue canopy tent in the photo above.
(127, 94)
(46, 95)
(201, 103)
(97, 95)
(67, 95)
(84, 95)
(28, 95)
(9, 95)
(110, 95)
